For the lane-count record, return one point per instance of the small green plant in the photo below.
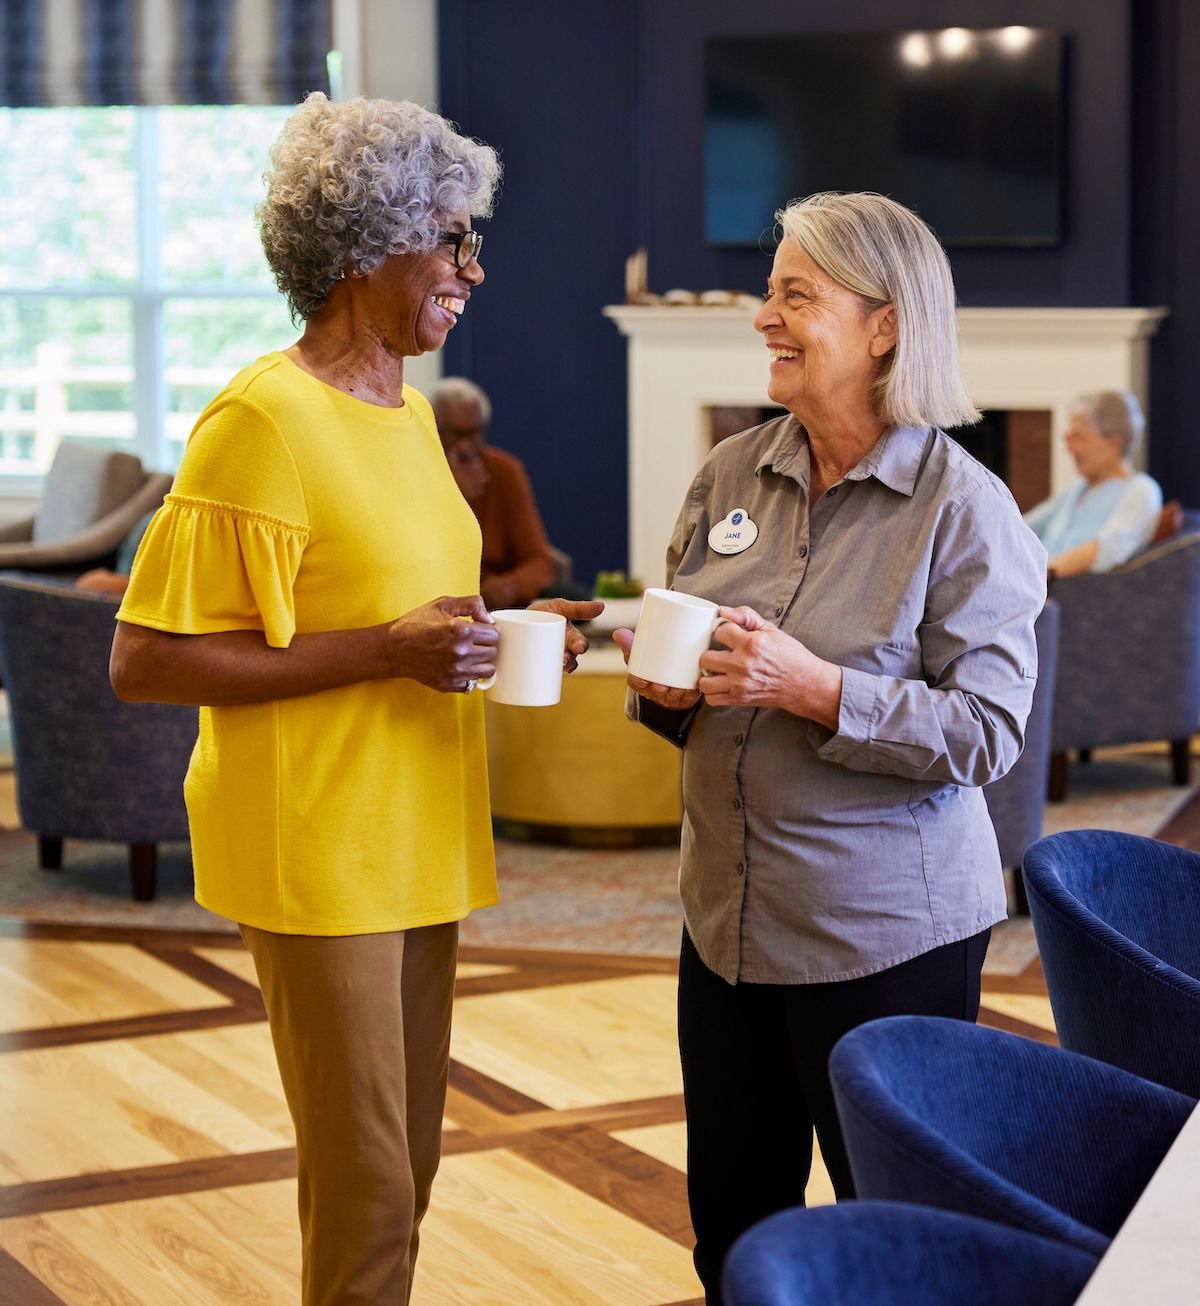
(615, 585)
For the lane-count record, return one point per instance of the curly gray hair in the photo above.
(353, 182)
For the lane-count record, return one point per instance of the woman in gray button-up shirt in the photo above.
(876, 668)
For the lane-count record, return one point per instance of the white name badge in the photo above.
(733, 535)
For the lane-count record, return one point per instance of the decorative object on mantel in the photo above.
(636, 291)
(635, 276)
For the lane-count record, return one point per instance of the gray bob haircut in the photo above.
(353, 182)
(1114, 412)
(887, 255)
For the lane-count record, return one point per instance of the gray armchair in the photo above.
(91, 499)
(88, 766)
(1016, 802)
(1130, 655)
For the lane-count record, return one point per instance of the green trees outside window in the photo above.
(132, 284)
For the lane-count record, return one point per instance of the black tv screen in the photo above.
(962, 125)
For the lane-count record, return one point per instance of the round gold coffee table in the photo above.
(579, 772)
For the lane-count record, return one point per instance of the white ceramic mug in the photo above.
(672, 631)
(529, 658)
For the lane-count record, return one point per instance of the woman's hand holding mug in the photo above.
(761, 666)
(663, 654)
(677, 700)
(447, 645)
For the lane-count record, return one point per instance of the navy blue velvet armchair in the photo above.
(1117, 919)
(88, 766)
(897, 1254)
(949, 1114)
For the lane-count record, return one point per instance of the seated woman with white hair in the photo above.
(1102, 519)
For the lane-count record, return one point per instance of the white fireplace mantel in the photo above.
(684, 360)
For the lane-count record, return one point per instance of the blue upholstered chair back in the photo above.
(1117, 918)
(1017, 801)
(950, 1114)
(88, 766)
(897, 1254)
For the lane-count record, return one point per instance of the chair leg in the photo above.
(50, 852)
(1020, 901)
(143, 870)
(1057, 789)
(1181, 761)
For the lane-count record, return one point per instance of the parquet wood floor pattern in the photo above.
(146, 1154)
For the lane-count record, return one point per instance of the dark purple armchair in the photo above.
(1129, 655)
(88, 766)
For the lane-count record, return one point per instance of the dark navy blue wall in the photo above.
(1166, 209)
(553, 87)
(1090, 267)
(597, 112)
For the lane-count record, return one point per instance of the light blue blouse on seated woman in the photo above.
(1120, 513)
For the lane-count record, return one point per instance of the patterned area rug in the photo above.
(556, 898)
(1120, 790)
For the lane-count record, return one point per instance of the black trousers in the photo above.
(756, 1081)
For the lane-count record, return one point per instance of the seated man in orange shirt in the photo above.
(517, 562)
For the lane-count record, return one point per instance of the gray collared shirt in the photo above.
(808, 855)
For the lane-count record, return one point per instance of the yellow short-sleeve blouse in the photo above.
(298, 508)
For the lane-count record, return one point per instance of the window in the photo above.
(132, 284)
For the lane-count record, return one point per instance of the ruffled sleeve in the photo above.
(206, 567)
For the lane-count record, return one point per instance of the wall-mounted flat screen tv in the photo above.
(963, 125)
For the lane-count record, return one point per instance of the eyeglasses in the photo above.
(467, 245)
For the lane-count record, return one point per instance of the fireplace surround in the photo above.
(686, 360)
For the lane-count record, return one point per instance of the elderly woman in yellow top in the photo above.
(295, 586)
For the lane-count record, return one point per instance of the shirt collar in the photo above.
(788, 452)
(895, 460)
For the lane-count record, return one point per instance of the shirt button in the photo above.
(737, 804)
(739, 740)
(740, 868)
(804, 550)
(779, 611)
(831, 492)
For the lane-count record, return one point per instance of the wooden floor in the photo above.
(146, 1154)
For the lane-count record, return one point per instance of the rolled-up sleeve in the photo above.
(964, 722)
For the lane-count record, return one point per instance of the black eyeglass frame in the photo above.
(467, 245)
